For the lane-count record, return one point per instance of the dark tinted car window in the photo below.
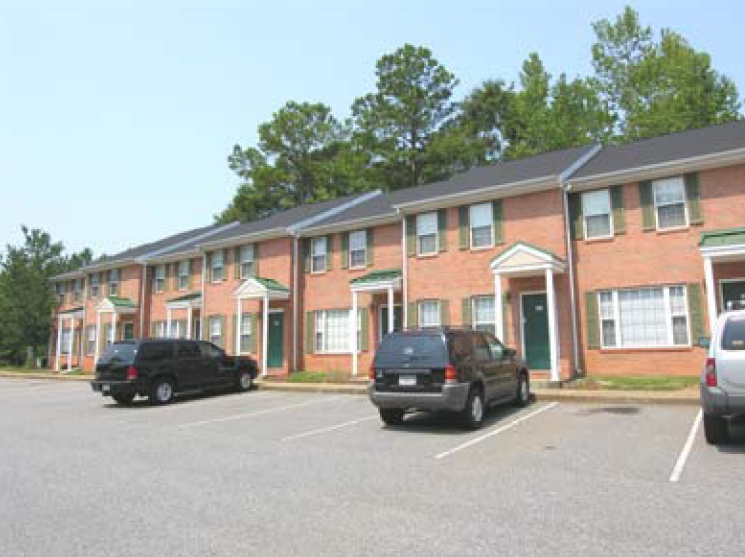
(417, 351)
(495, 347)
(188, 350)
(461, 346)
(734, 334)
(210, 350)
(156, 351)
(119, 353)
(480, 349)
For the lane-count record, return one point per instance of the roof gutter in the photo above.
(353, 223)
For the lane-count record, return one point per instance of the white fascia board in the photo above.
(478, 195)
(356, 224)
(658, 170)
(295, 228)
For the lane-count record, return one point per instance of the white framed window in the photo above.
(175, 331)
(655, 317)
(90, 340)
(216, 332)
(246, 333)
(426, 233)
(114, 277)
(429, 313)
(77, 290)
(357, 249)
(160, 329)
(183, 274)
(483, 313)
(247, 261)
(596, 212)
(318, 255)
(65, 341)
(95, 285)
(332, 331)
(108, 334)
(670, 203)
(218, 266)
(159, 283)
(481, 221)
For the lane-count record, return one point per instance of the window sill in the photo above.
(676, 230)
(317, 273)
(600, 240)
(482, 248)
(427, 255)
(687, 348)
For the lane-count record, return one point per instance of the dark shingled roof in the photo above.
(666, 148)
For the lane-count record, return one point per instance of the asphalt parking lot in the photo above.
(272, 473)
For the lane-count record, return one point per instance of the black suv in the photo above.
(158, 369)
(462, 371)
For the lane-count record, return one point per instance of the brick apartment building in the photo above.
(595, 260)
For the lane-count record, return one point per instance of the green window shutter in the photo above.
(370, 244)
(329, 252)
(237, 262)
(591, 319)
(364, 329)
(463, 227)
(252, 338)
(695, 312)
(411, 235)
(575, 216)
(344, 264)
(208, 264)
(442, 229)
(310, 332)
(306, 254)
(256, 260)
(167, 285)
(616, 202)
(647, 204)
(506, 307)
(444, 313)
(498, 218)
(465, 312)
(413, 315)
(189, 270)
(693, 198)
(225, 263)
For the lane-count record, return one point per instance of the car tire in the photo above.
(391, 416)
(716, 429)
(245, 381)
(123, 400)
(472, 416)
(162, 391)
(522, 397)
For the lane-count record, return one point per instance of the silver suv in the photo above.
(723, 377)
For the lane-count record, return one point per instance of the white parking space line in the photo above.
(328, 429)
(496, 431)
(258, 412)
(685, 453)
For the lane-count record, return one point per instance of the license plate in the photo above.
(407, 380)
(105, 388)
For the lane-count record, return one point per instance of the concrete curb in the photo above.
(49, 376)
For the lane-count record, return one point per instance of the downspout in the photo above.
(295, 241)
(404, 274)
(142, 300)
(204, 301)
(83, 332)
(572, 289)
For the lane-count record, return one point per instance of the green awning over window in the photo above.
(723, 238)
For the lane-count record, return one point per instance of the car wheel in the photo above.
(522, 398)
(245, 381)
(716, 429)
(162, 391)
(472, 416)
(124, 400)
(391, 416)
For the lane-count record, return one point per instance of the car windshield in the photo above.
(734, 334)
(119, 354)
(412, 351)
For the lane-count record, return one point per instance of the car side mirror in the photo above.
(704, 342)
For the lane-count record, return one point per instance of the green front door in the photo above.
(535, 331)
(733, 291)
(275, 340)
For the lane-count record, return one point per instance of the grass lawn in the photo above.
(636, 383)
(318, 377)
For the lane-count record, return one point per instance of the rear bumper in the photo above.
(452, 398)
(717, 402)
(108, 388)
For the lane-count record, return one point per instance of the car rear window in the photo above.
(119, 354)
(734, 334)
(156, 351)
(417, 351)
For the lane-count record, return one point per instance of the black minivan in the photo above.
(460, 371)
(158, 369)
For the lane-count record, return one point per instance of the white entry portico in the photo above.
(190, 303)
(115, 306)
(721, 247)
(71, 316)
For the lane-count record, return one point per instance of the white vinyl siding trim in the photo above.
(429, 314)
(482, 225)
(670, 208)
(160, 278)
(247, 261)
(596, 212)
(655, 317)
(482, 311)
(183, 274)
(357, 249)
(426, 234)
(218, 266)
(318, 255)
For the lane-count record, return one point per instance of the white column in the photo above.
(98, 337)
(238, 325)
(353, 334)
(265, 336)
(553, 331)
(390, 310)
(711, 295)
(114, 316)
(59, 343)
(498, 309)
(70, 344)
(168, 322)
(189, 312)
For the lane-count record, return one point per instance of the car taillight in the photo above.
(132, 373)
(711, 372)
(450, 373)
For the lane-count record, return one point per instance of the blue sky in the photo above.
(116, 117)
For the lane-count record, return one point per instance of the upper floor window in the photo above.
(60, 288)
(670, 203)
(183, 274)
(247, 261)
(426, 232)
(357, 249)
(482, 225)
(95, 285)
(218, 266)
(77, 292)
(597, 214)
(429, 313)
(318, 255)
(114, 277)
(160, 278)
